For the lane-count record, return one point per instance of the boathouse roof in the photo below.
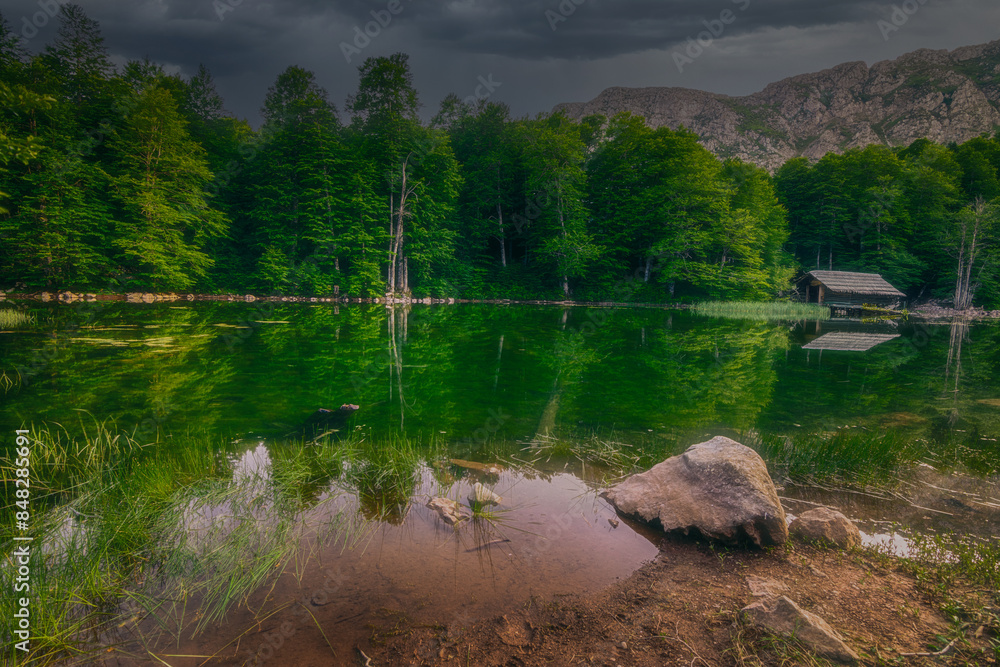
(850, 341)
(848, 282)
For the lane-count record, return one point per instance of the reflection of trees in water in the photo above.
(959, 332)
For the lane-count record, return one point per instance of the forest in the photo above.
(132, 176)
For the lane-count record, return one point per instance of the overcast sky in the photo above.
(536, 53)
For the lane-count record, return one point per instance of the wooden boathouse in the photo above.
(849, 290)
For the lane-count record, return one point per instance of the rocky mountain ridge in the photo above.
(942, 95)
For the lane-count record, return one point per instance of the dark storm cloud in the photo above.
(601, 43)
(595, 29)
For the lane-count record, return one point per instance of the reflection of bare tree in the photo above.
(496, 375)
(953, 368)
(398, 329)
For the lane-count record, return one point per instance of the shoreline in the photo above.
(683, 607)
(926, 312)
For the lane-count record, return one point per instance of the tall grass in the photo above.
(383, 474)
(847, 455)
(763, 311)
(126, 532)
(11, 318)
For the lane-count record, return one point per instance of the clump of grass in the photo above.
(754, 647)
(942, 559)
(764, 311)
(11, 318)
(61, 460)
(384, 475)
(846, 455)
(91, 550)
(170, 537)
(616, 457)
(8, 382)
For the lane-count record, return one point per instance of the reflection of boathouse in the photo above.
(847, 335)
(847, 289)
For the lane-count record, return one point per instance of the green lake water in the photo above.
(539, 391)
(472, 376)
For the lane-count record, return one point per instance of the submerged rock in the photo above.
(480, 496)
(487, 468)
(449, 510)
(781, 615)
(827, 526)
(326, 420)
(719, 488)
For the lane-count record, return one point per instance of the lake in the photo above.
(895, 423)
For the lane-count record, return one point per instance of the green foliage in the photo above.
(165, 219)
(849, 455)
(763, 311)
(132, 172)
(892, 212)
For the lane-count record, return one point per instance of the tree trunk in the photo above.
(390, 281)
(503, 240)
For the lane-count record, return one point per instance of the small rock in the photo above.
(818, 572)
(449, 510)
(826, 526)
(480, 495)
(515, 633)
(761, 587)
(782, 616)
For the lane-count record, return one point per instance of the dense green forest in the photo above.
(133, 177)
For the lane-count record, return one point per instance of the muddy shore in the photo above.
(683, 608)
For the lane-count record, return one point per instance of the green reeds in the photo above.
(847, 455)
(11, 318)
(763, 311)
(61, 460)
(616, 458)
(166, 536)
(384, 475)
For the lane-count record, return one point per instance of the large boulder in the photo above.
(782, 616)
(826, 526)
(719, 488)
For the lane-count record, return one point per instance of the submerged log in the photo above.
(324, 420)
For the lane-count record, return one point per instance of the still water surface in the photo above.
(505, 385)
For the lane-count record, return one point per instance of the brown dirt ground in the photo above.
(683, 609)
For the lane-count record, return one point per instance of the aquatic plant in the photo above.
(852, 455)
(617, 458)
(384, 475)
(163, 537)
(11, 318)
(763, 311)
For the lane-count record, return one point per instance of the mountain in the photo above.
(942, 95)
